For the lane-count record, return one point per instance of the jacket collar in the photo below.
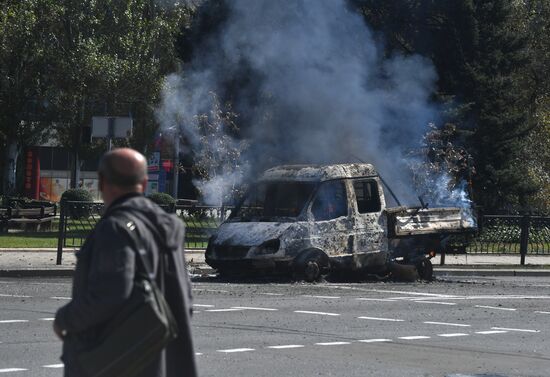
(119, 201)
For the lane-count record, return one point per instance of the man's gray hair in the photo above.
(120, 173)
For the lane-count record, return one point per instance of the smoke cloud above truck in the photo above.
(313, 85)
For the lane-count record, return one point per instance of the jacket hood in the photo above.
(170, 228)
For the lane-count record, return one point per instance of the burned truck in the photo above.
(311, 220)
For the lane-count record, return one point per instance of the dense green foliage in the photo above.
(77, 195)
(492, 61)
(162, 198)
(63, 62)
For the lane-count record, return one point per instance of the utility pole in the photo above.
(175, 172)
(110, 132)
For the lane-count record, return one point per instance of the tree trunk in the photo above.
(75, 170)
(10, 172)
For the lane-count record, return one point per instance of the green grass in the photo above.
(29, 240)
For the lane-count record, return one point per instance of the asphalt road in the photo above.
(458, 327)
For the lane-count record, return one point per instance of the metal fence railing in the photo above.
(77, 220)
(200, 223)
(519, 235)
(515, 235)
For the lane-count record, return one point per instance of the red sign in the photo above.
(32, 174)
(167, 165)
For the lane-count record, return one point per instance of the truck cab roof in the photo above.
(318, 173)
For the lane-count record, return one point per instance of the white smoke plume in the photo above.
(319, 90)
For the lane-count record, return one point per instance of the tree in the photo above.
(110, 58)
(24, 27)
(533, 19)
(481, 57)
(500, 107)
(63, 62)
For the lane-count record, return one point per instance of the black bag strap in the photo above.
(140, 250)
(153, 229)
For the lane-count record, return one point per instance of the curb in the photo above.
(476, 272)
(25, 273)
(69, 272)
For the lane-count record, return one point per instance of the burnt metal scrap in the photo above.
(313, 219)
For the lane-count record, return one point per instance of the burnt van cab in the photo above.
(314, 219)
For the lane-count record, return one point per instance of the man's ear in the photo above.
(144, 184)
(100, 182)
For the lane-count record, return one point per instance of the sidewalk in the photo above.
(491, 265)
(42, 262)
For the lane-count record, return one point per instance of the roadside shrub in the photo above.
(77, 195)
(166, 201)
(77, 211)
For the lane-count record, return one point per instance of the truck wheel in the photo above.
(309, 267)
(425, 270)
(312, 269)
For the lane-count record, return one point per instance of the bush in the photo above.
(76, 211)
(167, 202)
(77, 195)
(162, 198)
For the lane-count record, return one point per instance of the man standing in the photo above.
(106, 265)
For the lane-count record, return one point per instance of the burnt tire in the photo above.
(425, 270)
(309, 268)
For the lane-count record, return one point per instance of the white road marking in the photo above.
(209, 290)
(253, 308)
(375, 299)
(288, 346)
(203, 306)
(539, 312)
(446, 324)
(223, 310)
(407, 298)
(8, 370)
(451, 297)
(495, 307)
(326, 297)
(453, 335)
(332, 344)
(502, 297)
(519, 330)
(198, 354)
(435, 302)
(491, 332)
(414, 293)
(46, 319)
(53, 366)
(319, 313)
(237, 350)
(374, 340)
(14, 321)
(15, 296)
(414, 337)
(271, 294)
(60, 298)
(383, 319)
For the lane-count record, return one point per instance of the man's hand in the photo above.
(58, 331)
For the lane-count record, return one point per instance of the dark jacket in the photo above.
(104, 277)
